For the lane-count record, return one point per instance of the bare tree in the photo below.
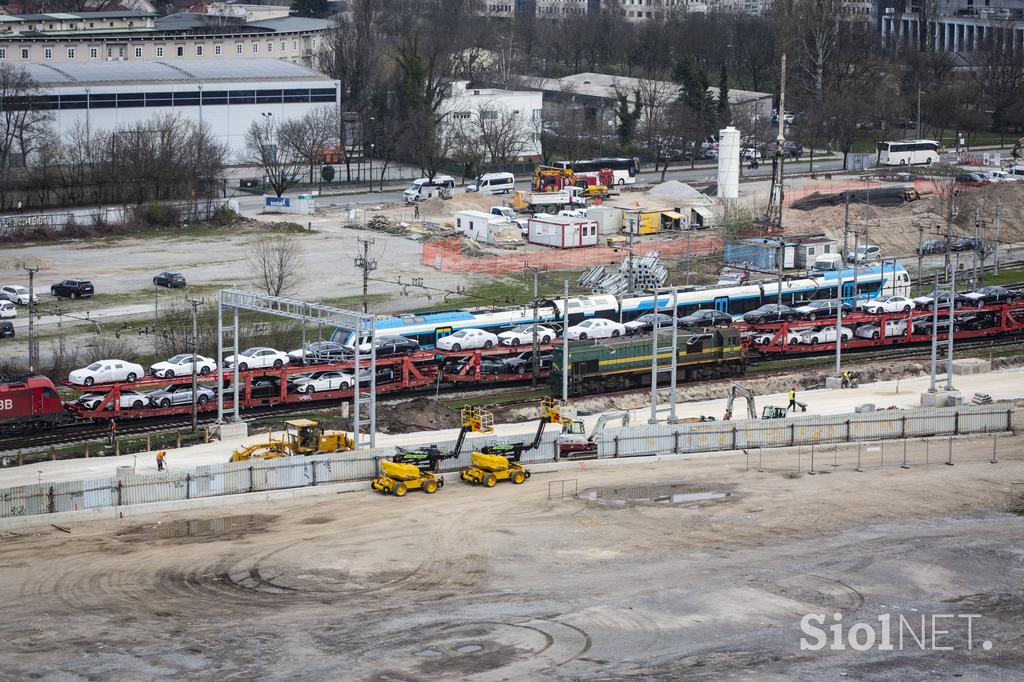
(23, 123)
(311, 136)
(658, 125)
(503, 133)
(267, 148)
(276, 263)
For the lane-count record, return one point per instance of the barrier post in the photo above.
(811, 471)
(859, 450)
(995, 436)
(904, 465)
(675, 444)
(120, 488)
(188, 486)
(949, 461)
(51, 502)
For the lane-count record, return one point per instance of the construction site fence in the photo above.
(346, 467)
(446, 255)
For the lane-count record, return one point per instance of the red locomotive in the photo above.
(28, 402)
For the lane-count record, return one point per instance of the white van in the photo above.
(493, 183)
(423, 189)
(827, 262)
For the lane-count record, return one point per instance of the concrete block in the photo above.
(833, 382)
(234, 431)
(971, 366)
(866, 407)
(941, 399)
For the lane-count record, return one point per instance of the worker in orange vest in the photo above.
(160, 456)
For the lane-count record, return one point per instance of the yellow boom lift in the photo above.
(417, 469)
(493, 463)
(301, 437)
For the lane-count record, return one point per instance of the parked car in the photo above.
(467, 339)
(928, 301)
(971, 179)
(866, 253)
(965, 244)
(976, 321)
(318, 352)
(386, 345)
(6, 329)
(509, 215)
(130, 400)
(257, 358)
(181, 365)
(595, 328)
(73, 288)
(819, 308)
(171, 280)
(8, 310)
(793, 150)
(16, 294)
(764, 338)
(705, 317)
(105, 372)
(873, 330)
(991, 296)
(770, 312)
(525, 333)
(932, 246)
(923, 325)
(324, 380)
(522, 363)
(888, 304)
(488, 365)
(646, 322)
(824, 335)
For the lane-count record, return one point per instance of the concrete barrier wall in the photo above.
(254, 476)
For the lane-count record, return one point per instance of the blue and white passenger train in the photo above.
(426, 328)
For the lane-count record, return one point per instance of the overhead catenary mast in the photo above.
(773, 216)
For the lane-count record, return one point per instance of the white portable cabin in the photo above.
(481, 226)
(562, 232)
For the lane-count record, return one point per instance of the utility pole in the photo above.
(995, 259)
(949, 229)
(367, 265)
(949, 334)
(195, 303)
(629, 249)
(673, 395)
(856, 245)
(920, 256)
(565, 344)
(33, 342)
(975, 283)
(935, 330)
(535, 360)
(779, 259)
(919, 133)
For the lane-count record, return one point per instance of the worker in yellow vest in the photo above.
(792, 399)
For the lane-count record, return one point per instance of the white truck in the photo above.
(538, 202)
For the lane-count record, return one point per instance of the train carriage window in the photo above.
(867, 287)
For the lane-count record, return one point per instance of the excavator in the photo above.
(493, 463)
(1018, 150)
(556, 178)
(301, 437)
(418, 469)
(574, 442)
(769, 411)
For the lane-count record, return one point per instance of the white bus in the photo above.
(624, 169)
(908, 152)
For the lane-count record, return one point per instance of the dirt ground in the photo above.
(506, 584)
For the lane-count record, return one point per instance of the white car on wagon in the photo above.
(467, 339)
(595, 328)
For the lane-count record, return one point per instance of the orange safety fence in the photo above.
(446, 255)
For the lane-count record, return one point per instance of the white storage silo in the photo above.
(729, 163)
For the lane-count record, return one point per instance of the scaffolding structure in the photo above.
(364, 399)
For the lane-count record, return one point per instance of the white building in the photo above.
(472, 111)
(562, 232)
(483, 227)
(227, 96)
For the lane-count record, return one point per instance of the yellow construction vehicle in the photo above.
(495, 463)
(556, 179)
(416, 469)
(301, 437)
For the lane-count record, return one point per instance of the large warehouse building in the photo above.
(226, 95)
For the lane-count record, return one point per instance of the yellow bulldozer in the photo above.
(301, 437)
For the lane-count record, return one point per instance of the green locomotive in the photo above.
(622, 363)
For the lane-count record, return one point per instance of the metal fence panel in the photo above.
(161, 487)
(876, 425)
(983, 418)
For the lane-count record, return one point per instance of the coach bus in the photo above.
(908, 153)
(625, 169)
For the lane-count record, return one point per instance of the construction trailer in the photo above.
(806, 250)
(562, 232)
(483, 227)
(759, 253)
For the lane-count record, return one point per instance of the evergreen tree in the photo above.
(724, 115)
(628, 117)
(310, 8)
